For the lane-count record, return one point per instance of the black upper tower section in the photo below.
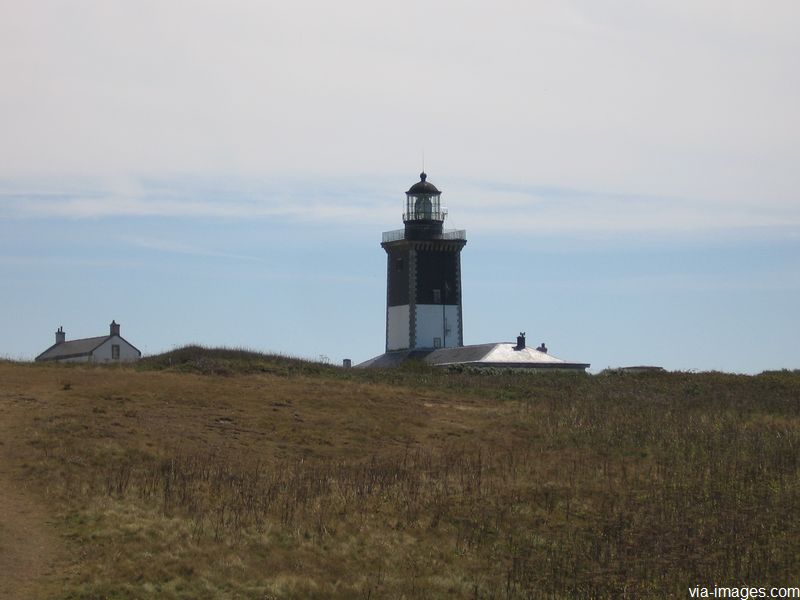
(423, 217)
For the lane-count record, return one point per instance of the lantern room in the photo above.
(424, 215)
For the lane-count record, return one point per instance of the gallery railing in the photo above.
(447, 234)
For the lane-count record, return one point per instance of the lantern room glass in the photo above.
(423, 207)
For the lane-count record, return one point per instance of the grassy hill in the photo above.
(229, 474)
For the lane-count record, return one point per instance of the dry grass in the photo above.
(228, 474)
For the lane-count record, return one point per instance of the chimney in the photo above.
(520, 341)
(114, 328)
(60, 335)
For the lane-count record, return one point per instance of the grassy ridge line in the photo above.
(412, 483)
(502, 383)
(229, 361)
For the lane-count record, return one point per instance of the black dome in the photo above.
(422, 186)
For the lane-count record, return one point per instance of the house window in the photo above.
(114, 351)
(437, 342)
(437, 296)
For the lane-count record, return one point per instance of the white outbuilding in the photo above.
(103, 349)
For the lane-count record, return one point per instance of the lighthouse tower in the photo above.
(423, 298)
(423, 275)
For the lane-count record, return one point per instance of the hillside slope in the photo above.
(226, 474)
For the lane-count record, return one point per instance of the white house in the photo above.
(103, 349)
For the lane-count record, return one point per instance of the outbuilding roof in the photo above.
(503, 354)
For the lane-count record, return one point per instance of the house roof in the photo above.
(75, 348)
(503, 354)
(72, 348)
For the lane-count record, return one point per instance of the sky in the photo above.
(220, 173)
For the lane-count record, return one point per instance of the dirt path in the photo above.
(29, 545)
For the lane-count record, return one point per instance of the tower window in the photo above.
(437, 296)
(398, 264)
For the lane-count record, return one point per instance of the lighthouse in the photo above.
(423, 275)
(424, 320)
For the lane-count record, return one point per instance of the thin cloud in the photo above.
(692, 99)
(62, 261)
(485, 207)
(774, 280)
(173, 247)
